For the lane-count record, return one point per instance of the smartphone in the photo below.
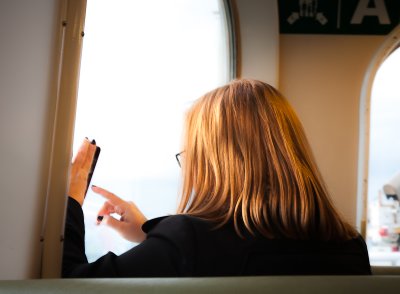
(93, 166)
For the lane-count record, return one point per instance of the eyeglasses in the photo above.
(177, 156)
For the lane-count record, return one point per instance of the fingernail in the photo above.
(100, 218)
(93, 141)
(94, 186)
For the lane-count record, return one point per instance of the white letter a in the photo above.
(363, 10)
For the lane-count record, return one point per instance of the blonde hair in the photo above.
(247, 159)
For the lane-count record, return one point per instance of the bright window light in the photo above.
(384, 165)
(143, 64)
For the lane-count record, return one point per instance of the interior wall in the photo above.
(322, 76)
(257, 29)
(27, 34)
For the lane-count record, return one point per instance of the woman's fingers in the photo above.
(88, 159)
(84, 157)
(131, 221)
(113, 223)
(112, 205)
(106, 209)
(112, 198)
(80, 155)
(79, 171)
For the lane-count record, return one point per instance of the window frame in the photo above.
(71, 20)
(390, 44)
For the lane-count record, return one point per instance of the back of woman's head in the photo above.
(247, 160)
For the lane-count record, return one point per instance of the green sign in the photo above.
(355, 17)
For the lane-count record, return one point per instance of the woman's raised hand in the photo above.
(79, 171)
(131, 221)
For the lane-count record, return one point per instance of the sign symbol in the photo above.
(293, 17)
(379, 10)
(307, 9)
(321, 18)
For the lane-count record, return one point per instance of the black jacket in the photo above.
(181, 245)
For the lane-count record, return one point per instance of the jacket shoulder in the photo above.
(173, 223)
(181, 232)
(184, 231)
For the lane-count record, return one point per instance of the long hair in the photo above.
(247, 160)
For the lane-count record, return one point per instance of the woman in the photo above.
(253, 201)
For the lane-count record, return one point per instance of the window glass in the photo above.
(143, 64)
(384, 165)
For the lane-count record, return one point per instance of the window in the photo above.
(384, 165)
(143, 63)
